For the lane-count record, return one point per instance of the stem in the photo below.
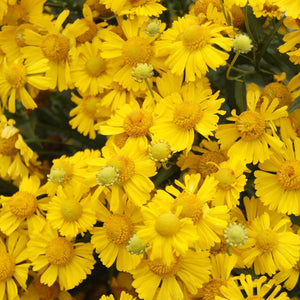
(230, 67)
(247, 24)
(224, 13)
(149, 87)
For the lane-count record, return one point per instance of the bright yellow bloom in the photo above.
(124, 296)
(59, 258)
(289, 7)
(265, 8)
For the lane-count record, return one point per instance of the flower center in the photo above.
(135, 245)
(137, 123)
(279, 91)
(167, 224)
(16, 75)
(266, 240)
(236, 234)
(89, 34)
(226, 178)
(55, 47)
(160, 151)
(56, 175)
(204, 167)
(71, 210)
(162, 270)
(23, 204)
(125, 166)
(137, 50)
(7, 146)
(20, 33)
(196, 37)
(250, 125)
(89, 106)
(118, 229)
(288, 174)
(187, 115)
(95, 66)
(212, 288)
(191, 206)
(44, 291)
(7, 266)
(138, 2)
(65, 171)
(59, 251)
(201, 6)
(107, 176)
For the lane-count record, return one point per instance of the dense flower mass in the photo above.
(149, 149)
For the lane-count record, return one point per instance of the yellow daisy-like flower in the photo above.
(290, 277)
(111, 239)
(91, 73)
(60, 258)
(249, 137)
(13, 266)
(189, 46)
(244, 287)
(178, 116)
(289, 7)
(156, 280)
(124, 296)
(277, 182)
(165, 230)
(194, 203)
(271, 246)
(23, 206)
(265, 8)
(71, 212)
(19, 76)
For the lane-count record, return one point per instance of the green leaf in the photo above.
(240, 96)
(294, 105)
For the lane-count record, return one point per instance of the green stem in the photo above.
(247, 24)
(224, 13)
(230, 67)
(149, 87)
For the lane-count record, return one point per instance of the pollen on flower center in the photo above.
(56, 175)
(167, 224)
(250, 125)
(162, 270)
(137, 50)
(16, 75)
(59, 251)
(135, 245)
(280, 91)
(137, 123)
(191, 206)
(95, 66)
(266, 240)
(118, 229)
(23, 204)
(212, 288)
(7, 266)
(71, 210)
(226, 178)
(66, 170)
(55, 46)
(107, 176)
(7, 146)
(160, 151)
(236, 234)
(288, 174)
(196, 37)
(125, 166)
(187, 115)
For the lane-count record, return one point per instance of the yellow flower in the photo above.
(124, 296)
(60, 259)
(190, 47)
(265, 8)
(289, 7)
(289, 276)
(13, 266)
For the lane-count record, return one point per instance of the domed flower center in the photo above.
(160, 152)
(212, 288)
(44, 291)
(226, 178)
(89, 34)
(192, 207)
(204, 166)
(118, 229)
(250, 125)
(107, 176)
(89, 106)
(55, 47)
(201, 6)
(288, 174)
(56, 175)
(7, 146)
(20, 33)
(162, 270)
(137, 123)
(59, 251)
(15, 75)
(135, 245)
(196, 37)
(137, 50)
(65, 171)
(7, 266)
(280, 91)
(153, 28)
(167, 224)
(23, 204)
(125, 166)
(266, 240)
(95, 66)
(236, 234)
(71, 210)
(187, 115)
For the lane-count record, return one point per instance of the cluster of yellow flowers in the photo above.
(221, 228)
